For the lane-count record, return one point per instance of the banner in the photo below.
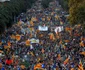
(59, 29)
(43, 28)
(34, 40)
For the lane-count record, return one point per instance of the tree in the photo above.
(77, 11)
(64, 4)
(45, 3)
(11, 9)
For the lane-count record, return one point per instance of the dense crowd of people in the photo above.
(64, 50)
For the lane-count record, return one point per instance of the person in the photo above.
(8, 61)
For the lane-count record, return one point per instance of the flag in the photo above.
(68, 29)
(5, 46)
(80, 66)
(59, 56)
(48, 18)
(0, 42)
(22, 67)
(72, 69)
(60, 42)
(18, 37)
(83, 53)
(27, 42)
(13, 36)
(38, 66)
(1, 51)
(51, 35)
(32, 53)
(9, 43)
(66, 41)
(31, 23)
(41, 35)
(66, 61)
(43, 19)
(33, 19)
(1, 65)
(81, 44)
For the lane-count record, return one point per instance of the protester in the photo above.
(57, 46)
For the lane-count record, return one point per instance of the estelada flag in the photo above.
(80, 66)
(72, 69)
(33, 19)
(48, 18)
(38, 66)
(59, 56)
(32, 53)
(81, 44)
(31, 22)
(41, 35)
(13, 36)
(5, 46)
(1, 65)
(66, 41)
(68, 29)
(52, 36)
(9, 43)
(60, 42)
(18, 37)
(43, 19)
(27, 42)
(22, 67)
(0, 42)
(66, 61)
(1, 51)
(83, 53)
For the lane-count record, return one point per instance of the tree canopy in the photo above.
(77, 11)
(45, 3)
(12, 8)
(64, 4)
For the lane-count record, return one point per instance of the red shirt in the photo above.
(8, 62)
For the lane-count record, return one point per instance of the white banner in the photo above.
(59, 29)
(43, 28)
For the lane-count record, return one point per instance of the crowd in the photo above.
(64, 50)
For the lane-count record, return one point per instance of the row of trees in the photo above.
(64, 4)
(8, 10)
(77, 12)
(76, 9)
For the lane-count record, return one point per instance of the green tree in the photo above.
(8, 10)
(64, 4)
(77, 11)
(45, 3)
